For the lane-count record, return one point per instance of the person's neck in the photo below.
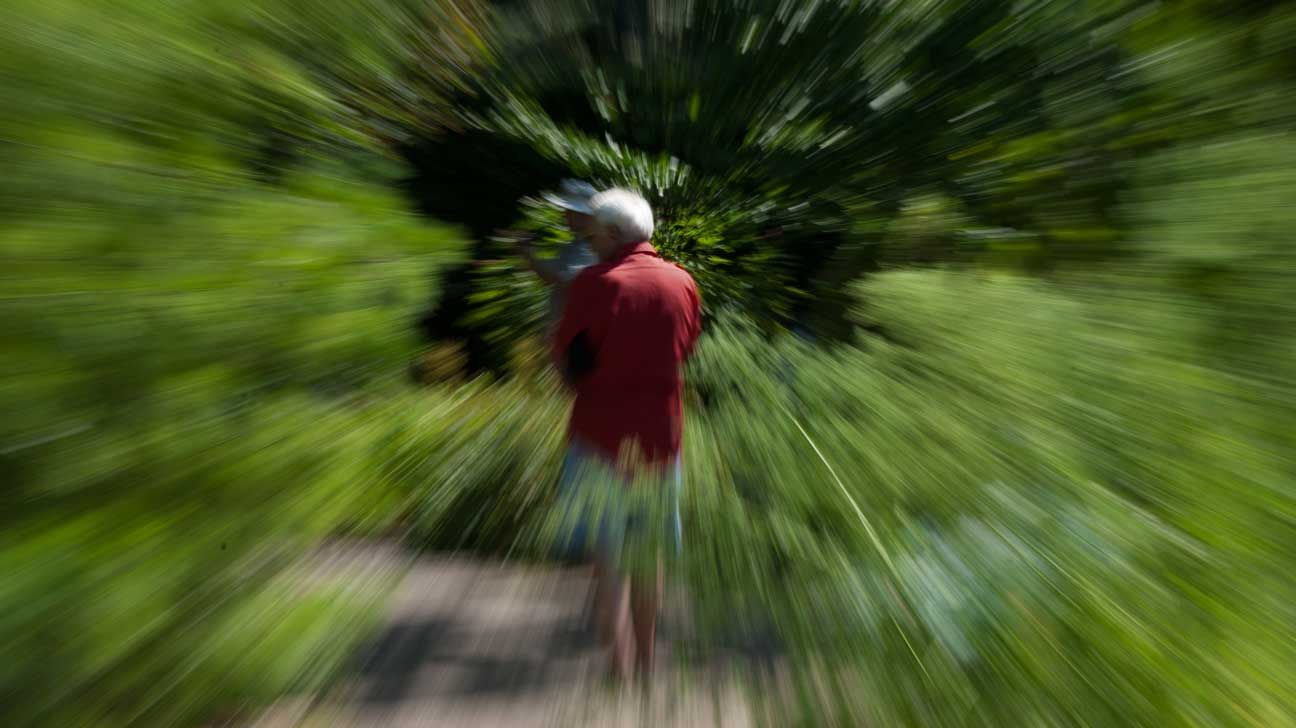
(621, 251)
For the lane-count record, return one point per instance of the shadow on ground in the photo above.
(464, 662)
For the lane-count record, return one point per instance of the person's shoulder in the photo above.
(676, 271)
(593, 276)
(669, 276)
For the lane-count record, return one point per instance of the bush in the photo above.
(1031, 503)
(208, 279)
(187, 417)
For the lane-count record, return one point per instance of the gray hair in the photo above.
(628, 212)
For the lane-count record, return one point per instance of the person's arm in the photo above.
(549, 271)
(574, 344)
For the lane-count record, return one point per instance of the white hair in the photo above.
(628, 212)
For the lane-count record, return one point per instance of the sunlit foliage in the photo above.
(992, 423)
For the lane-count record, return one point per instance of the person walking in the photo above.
(628, 325)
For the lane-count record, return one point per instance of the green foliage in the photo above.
(207, 280)
(1029, 464)
(184, 409)
(1068, 512)
(478, 463)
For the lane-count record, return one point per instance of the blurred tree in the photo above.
(813, 121)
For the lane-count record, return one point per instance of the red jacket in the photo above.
(639, 317)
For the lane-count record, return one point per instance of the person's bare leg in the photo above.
(614, 604)
(645, 602)
(623, 642)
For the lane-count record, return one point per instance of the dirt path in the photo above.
(469, 643)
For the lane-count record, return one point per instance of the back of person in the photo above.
(629, 324)
(650, 322)
(651, 327)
